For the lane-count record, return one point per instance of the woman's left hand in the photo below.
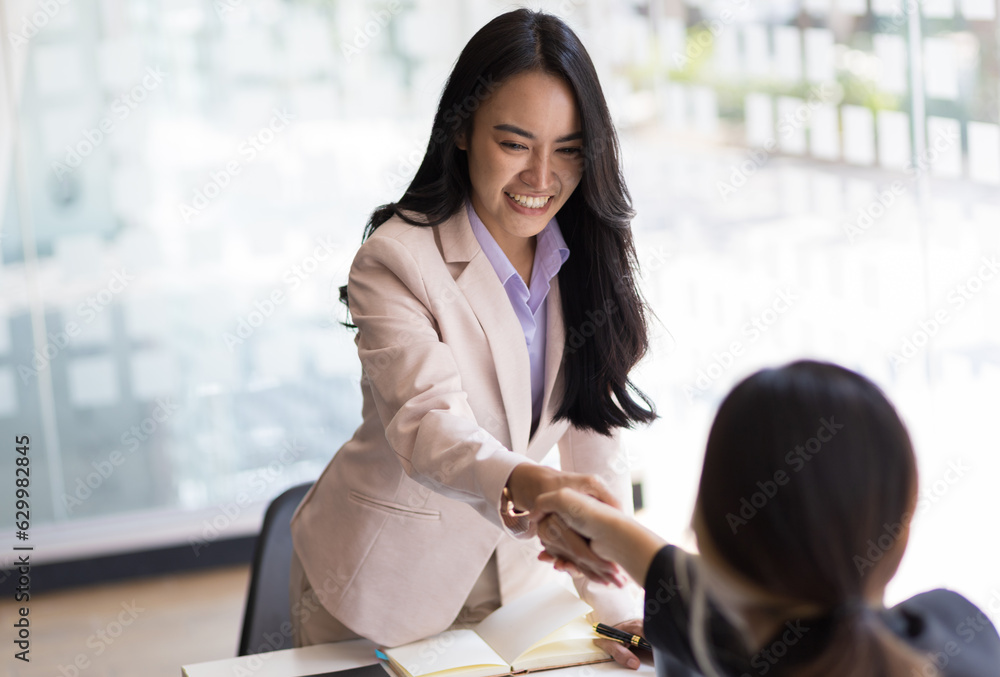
(621, 653)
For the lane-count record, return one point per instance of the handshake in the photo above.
(571, 514)
(585, 532)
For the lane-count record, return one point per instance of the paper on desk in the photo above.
(514, 627)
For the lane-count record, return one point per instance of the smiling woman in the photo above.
(512, 239)
(524, 155)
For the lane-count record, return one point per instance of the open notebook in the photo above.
(544, 629)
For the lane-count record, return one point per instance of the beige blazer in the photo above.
(402, 521)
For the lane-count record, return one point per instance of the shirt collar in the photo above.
(551, 251)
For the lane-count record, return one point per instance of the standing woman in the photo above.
(488, 332)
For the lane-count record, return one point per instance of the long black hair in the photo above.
(603, 311)
(807, 490)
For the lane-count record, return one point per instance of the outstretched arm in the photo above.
(416, 383)
(417, 389)
(612, 534)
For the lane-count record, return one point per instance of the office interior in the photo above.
(184, 183)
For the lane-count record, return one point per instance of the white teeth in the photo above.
(528, 201)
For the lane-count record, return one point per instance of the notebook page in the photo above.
(571, 644)
(577, 629)
(446, 651)
(514, 627)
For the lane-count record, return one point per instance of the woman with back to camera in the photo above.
(803, 511)
(488, 333)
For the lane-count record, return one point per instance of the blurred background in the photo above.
(183, 186)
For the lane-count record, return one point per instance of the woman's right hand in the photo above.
(528, 481)
(567, 548)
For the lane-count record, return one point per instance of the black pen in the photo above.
(626, 638)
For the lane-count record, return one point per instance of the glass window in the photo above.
(184, 185)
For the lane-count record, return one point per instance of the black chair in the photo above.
(267, 600)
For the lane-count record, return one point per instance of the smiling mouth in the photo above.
(528, 201)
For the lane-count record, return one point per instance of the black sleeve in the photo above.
(665, 616)
(666, 619)
(665, 613)
(959, 637)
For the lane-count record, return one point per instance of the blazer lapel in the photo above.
(489, 301)
(549, 432)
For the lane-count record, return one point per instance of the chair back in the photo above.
(267, 607)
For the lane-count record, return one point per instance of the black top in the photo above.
(959, 637)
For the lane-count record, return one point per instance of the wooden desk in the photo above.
(321, 658)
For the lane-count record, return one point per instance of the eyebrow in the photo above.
(513, 129)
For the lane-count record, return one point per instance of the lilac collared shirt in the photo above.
(550, 253)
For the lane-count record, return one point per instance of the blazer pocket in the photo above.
(394, 508)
